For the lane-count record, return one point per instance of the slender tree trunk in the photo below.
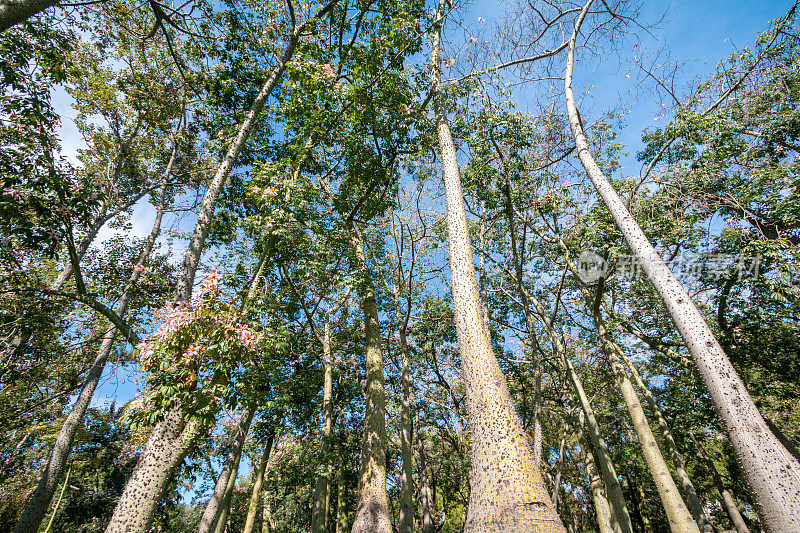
(507, 492)
(638, 497)
(601, 506)
(341, 495)
(322, 490)
(559, 466)
(222, 521)
(425, 490)
(772, 473)
(215, 505)
(727, 498)
(40, 500)
(266, 515)
(252, 510)
(620, 517)
(133, 513)
(406, 521)
(372, 513)
(680, 519)
(695, 505)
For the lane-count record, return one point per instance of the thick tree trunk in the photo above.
(40, 500)
(695, 505)
(15, 11)
(507, 492)
(322, 490)
(215, 505)
(680, 519)
(139, 493)
(772, 473)
(372, 513)
(728, 501)
(255, 497)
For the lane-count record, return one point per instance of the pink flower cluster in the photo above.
(246, 336)
(327, 70)
(140, 268)
(211, 283)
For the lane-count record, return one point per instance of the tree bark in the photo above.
(215, 506)
(372, 513)
(322, 490)
(15, 11)
(39, 501)
(507, 492)
(255, 497)
(772, 473)
(695, 505)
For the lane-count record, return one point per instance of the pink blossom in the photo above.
(12, 192)
(328, 71)
(270, 191)
(140, 268)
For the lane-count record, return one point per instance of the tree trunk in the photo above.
(680, 519)
(727, 498)
(322, 490)
(695, 505)
(252, 510)
(601, 506)
(559, 465)
(406, 521)
(40, 500)
(507, 492)
(424, 488)
(15, 11)
(142, 493)
(215, 505)
(341, 495)
(620, 517)
(772, 473)
(372, 513)
(225, 508)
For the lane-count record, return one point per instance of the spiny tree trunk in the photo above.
(695, 505)
(252, 510)
(728, 500)
(680, 519)
(772, 473)
(372, 513)
(601, 506)
(40, 500)
(215, 504)
(322, 490)
(507, 491)
(168, 445)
